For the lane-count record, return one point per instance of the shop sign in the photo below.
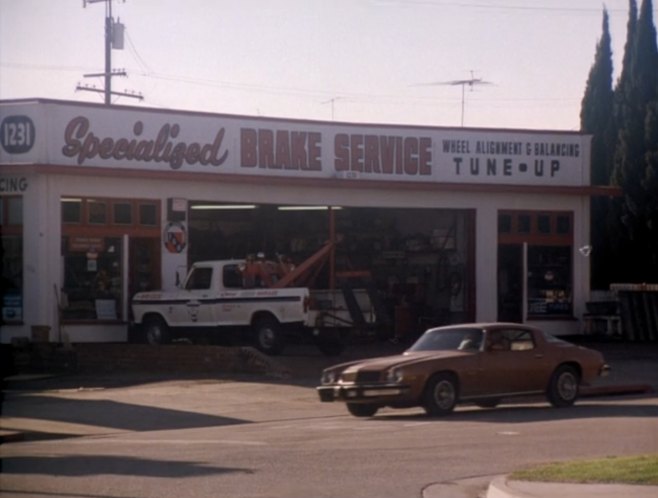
(90, 136)
(87, 245)
(13, 185)
(12, 306)
(17, 134)
(175, 237)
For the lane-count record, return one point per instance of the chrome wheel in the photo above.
(564, 385)
(441, 395)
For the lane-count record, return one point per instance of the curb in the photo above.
(498, 489)
(503, 487)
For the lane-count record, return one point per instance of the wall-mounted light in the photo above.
(213, 207)
(307, 208)
(585, 250)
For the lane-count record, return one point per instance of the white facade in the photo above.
(54, 150)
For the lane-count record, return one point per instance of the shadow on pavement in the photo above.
(110, 414)
(529, 414)
(88, 465)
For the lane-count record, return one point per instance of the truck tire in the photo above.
(268, 337)
(156, 331)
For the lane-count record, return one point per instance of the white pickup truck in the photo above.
(213, 303)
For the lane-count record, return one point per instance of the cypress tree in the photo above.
(636, 93)
(597, 108)
(596, 118)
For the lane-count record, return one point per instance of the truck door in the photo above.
(198, 308)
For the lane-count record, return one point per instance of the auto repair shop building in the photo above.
(453, 224)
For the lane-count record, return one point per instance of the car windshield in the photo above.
(457, 339)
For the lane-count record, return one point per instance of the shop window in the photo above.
(544, 224)
(524, 223)
(15, 211)
(563, 224)
(504, 223)
(122, 213)
(148, 215)
(71, 211)
(549, 281)
(92, 278)
(549, 238)
(11, 280)
(97, 212)
(93, 232)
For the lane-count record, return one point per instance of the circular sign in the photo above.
(175, 237)
(17, 134)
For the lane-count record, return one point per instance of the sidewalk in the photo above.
(502, 487)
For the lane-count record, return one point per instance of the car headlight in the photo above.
(329, 377)
(394, 375)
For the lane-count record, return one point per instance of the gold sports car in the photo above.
(480, 363)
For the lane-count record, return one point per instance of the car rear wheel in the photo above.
(441, 394)
(361, 409)
(563, 386)
(156, 331)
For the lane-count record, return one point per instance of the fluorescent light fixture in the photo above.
(307, 208)
(71, 199)
(212, 207)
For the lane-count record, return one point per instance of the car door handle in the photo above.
(539, 356)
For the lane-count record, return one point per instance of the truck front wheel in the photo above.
(268, 336)
(156, 331)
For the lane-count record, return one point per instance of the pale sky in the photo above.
(363, 61)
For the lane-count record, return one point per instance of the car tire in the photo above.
(563, 386)
(362, 410)
(488, 403)
(268, 337)
(441, 394)
(156, 331)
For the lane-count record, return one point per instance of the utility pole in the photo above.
(113, 39)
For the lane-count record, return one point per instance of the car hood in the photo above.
(408, 358)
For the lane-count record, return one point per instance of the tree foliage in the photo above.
(625, 150)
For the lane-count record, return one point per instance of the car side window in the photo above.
(510, 340)
(232, 277)
(497, 341)
(520, 340)
(199, 279)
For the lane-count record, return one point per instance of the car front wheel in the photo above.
(563, 387)
(441, 394)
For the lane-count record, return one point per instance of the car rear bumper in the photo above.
(362, 392)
